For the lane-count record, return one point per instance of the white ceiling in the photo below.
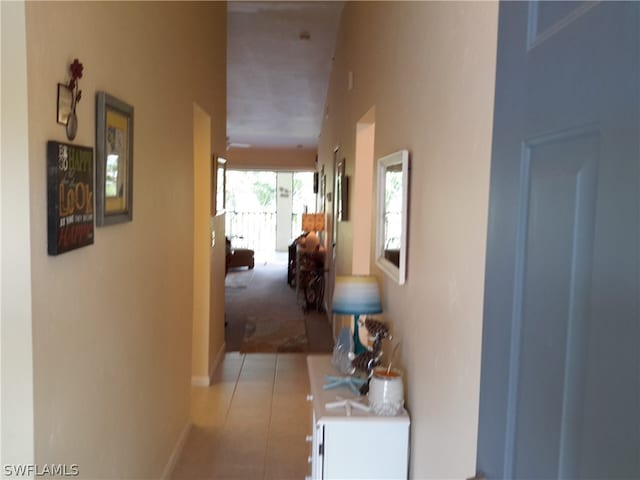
(276, 78)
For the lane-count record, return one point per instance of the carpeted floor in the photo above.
(263, 316)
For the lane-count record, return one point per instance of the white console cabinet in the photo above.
(357, 446)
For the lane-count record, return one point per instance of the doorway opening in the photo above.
(263, 216)
(264, 209)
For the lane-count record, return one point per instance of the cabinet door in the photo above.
(361, 449)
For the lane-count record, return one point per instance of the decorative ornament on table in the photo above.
(76, 69)
(343, 352)
(341, 361)
(378, 330)
(386, 390)
(368, 360)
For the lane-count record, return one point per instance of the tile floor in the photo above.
(251, 423)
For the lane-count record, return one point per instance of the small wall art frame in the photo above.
(342, 192)
(114, 160)
(70, 191)
(221, 185)
(64, 104)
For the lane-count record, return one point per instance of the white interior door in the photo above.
(560, 387)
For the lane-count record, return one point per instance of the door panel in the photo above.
(547, 18)
(556, 227)
(560, 386)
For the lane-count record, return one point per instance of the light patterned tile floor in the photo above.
(251, 423)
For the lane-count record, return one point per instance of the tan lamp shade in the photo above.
(313, 222)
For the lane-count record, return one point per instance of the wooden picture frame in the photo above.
(322, 190)
(342, 192)
(114, 160)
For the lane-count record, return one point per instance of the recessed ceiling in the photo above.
(279, 58)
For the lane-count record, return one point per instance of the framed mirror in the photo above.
(392, 214)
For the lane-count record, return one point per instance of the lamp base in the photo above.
(358, 347)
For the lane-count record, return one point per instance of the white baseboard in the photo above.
(200, 381)
(175, 454)
(205, 381)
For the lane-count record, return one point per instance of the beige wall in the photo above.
(429, 70)
(217, 259)
(201, 245)
(208, 260)
(112, 321)
(270, 159)
(16, 385)
(361, 204)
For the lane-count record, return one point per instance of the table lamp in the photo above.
(313, 222)
(356, 295)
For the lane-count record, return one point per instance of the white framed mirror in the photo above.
(392, 212)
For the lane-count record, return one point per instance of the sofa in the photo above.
(238, 257)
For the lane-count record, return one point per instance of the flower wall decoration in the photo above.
(68, 97)
(76, 74)
(76, 94)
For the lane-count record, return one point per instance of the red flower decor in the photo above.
(76, 69)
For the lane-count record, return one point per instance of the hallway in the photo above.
(251, 422)
(260, 301)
